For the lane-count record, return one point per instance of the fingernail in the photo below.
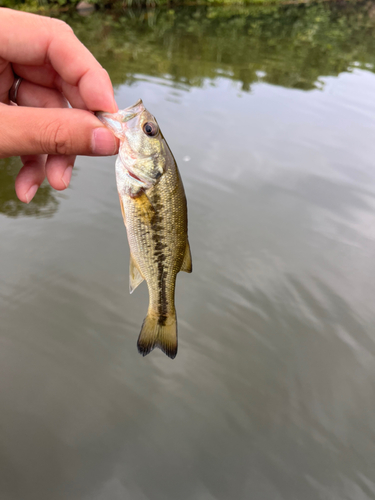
(67, 176)
(103, 142)
(31, 193)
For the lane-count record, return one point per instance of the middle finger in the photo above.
(46, 76)
(58, 168)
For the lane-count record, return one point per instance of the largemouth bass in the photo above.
(153, 206)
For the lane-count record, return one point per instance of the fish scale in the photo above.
(158, 246)
(154, 209)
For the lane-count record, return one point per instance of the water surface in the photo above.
(270, 114)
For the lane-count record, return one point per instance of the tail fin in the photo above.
(157, 333)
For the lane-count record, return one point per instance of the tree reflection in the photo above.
(44, 204)
(289, 45)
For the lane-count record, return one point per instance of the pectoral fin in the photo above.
(187, 265)
(122, 209)
(135, 277)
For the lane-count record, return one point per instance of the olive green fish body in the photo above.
(154, 208)
(156, 223)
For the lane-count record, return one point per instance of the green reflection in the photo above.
(44, 204)
(290, 45)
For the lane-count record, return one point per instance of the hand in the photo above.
(42, 129)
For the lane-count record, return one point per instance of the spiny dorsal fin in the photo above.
(135, 277)
(187, 265)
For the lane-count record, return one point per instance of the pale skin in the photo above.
(56, 69)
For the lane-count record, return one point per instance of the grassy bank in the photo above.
(287, 45)
(65, 5)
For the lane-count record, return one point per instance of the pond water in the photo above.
(270, 113)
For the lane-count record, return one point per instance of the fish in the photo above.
(154, 209)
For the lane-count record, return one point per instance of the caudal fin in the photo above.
(158, 333)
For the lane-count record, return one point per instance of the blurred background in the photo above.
(270, 113)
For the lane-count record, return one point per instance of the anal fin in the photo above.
(135, 277)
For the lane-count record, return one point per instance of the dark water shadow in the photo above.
(44, 204)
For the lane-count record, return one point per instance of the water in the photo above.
(270, 114)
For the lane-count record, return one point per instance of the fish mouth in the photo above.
(120, 124)
(115, 121)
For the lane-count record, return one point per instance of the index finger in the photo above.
(35, 40)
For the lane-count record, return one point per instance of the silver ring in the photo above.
(14, 89)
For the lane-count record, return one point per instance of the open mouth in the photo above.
(116, 121)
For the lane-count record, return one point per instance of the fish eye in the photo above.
(150, 128)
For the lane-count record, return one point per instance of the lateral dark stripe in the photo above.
(157, 237)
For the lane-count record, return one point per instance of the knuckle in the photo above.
(56, 139)
(105, 73)
(62, 26)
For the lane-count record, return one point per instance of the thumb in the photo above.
(31, 131)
